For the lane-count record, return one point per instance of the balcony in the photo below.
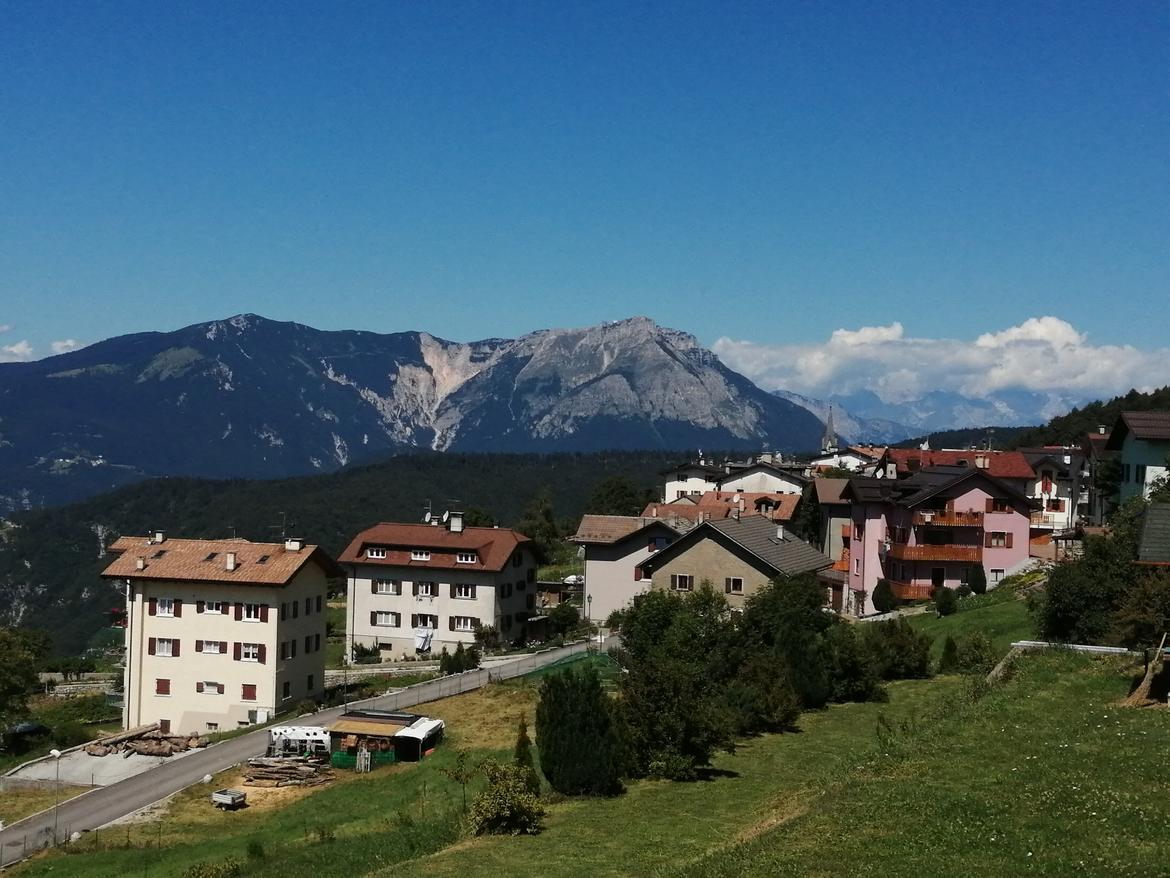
(904, 552)
(1048, 519)
(846, 531)
(949, 518)
(911, 591)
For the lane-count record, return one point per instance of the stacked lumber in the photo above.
(144, 740)
(288, 771)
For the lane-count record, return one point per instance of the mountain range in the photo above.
(252, 397)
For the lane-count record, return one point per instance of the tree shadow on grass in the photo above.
(708, 773)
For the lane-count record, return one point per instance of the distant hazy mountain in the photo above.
(849, 427)
(945, 410)
(250, 397)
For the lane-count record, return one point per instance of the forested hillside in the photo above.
(966, 438)
(50, 559)
(1070, 429)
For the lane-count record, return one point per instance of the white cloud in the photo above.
(4, 327)
(1042, 354)
(65, 345)
(16, 353)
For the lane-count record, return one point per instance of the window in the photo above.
(165, 607)
(249, 652)
(682, 582)
(309, 683)
(213, 727)
(162, 687)
(308, 606)
(318, 603)
(1055, 504)
(295, 608)
(996, 539)
(164, 726)
(465, 558)
(283, 650)
(733, 585)
(517, 559)
(207, 687)
(386, 619)
(506, 590)
(1139, 473)
(164, 646)
(857, 566)
(424, 620)
(420, 555)
(248, 692)
(464, 592)
(463, 623)
(998, 504)
(657, 544)
(316, 643)
(386, 586)
(426, 589)
(217, 608)
(996, 575)
(252, 613)
(1125, 472)
(210, 647)
(308, 643)
(375, 553)
(286, 691)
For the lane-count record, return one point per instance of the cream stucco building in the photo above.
(220, 633)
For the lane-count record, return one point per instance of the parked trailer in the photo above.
(229, 800)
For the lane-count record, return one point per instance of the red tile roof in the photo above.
(205, 561)
(1001, 464)
(718, 505)
(493, 546)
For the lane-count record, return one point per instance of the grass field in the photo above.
(16, 803)
(1002, 622)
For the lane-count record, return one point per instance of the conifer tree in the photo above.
(580, 748)
(523, 756)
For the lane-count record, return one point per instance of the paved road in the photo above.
(106, 804)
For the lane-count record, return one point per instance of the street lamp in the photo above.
(56, 754)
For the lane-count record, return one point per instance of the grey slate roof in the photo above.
(757, 534)
(1143, 425)
(1154, 547)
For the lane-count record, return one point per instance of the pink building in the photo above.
(929, 530)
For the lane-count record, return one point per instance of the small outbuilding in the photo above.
(387, 736)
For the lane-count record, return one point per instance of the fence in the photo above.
(457, 684)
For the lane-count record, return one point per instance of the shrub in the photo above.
(222, 869)
(896, 650)
(522, 756)
(977, 579)
(615, 619)
(974, 653)
(562, 619)
(580, 746)
(945, 601)
(884, 599)
(506, 806)
(487, 636)
(761, 697)
(70, 734)
(949, 661)
(851, 674)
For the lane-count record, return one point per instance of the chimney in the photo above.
(139, 563)
(780, 532)
(294, 544)
(455, 522)
(159, 536)
(1101, 429)
(229, 561)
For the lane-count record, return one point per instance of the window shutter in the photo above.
(451, 623)
(263, 653)
(175, 648)
(178, 608)
(317, 637)
(236, 651)
(199, 606)
(198, 687)
(452, 587)
(414, 589)
(239, 611)
(223, 646)
(283, 611)
(473, 588)
(990, 506)
(727, 585)
(373, 586)
(162, 687)
(1008, 544)
(987, 538)
(199, 646)
(264, 612)
(373, 618)
(318, 603)
(150, 646)
(153, 608)
(292, 649)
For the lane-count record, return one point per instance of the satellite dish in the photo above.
(427, 518)
(446, 515)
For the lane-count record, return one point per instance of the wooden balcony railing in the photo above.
(904, 552)
(950, 518)
(911, 591)
(1047, 519)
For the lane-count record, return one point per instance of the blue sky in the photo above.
(757, 173)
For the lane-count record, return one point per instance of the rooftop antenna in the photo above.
(282, 527)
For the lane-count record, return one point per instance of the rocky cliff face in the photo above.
(258, 398)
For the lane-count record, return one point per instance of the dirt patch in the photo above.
(496, 710)
(785, 809)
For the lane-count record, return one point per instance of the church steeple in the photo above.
(829, 442)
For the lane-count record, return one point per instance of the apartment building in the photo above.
(1060, 487)
(1142, 441)
(220, 633)
(417, 588)
(763, 474)
(928, 530)
(614, 545)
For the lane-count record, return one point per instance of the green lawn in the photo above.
(1003, 622)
